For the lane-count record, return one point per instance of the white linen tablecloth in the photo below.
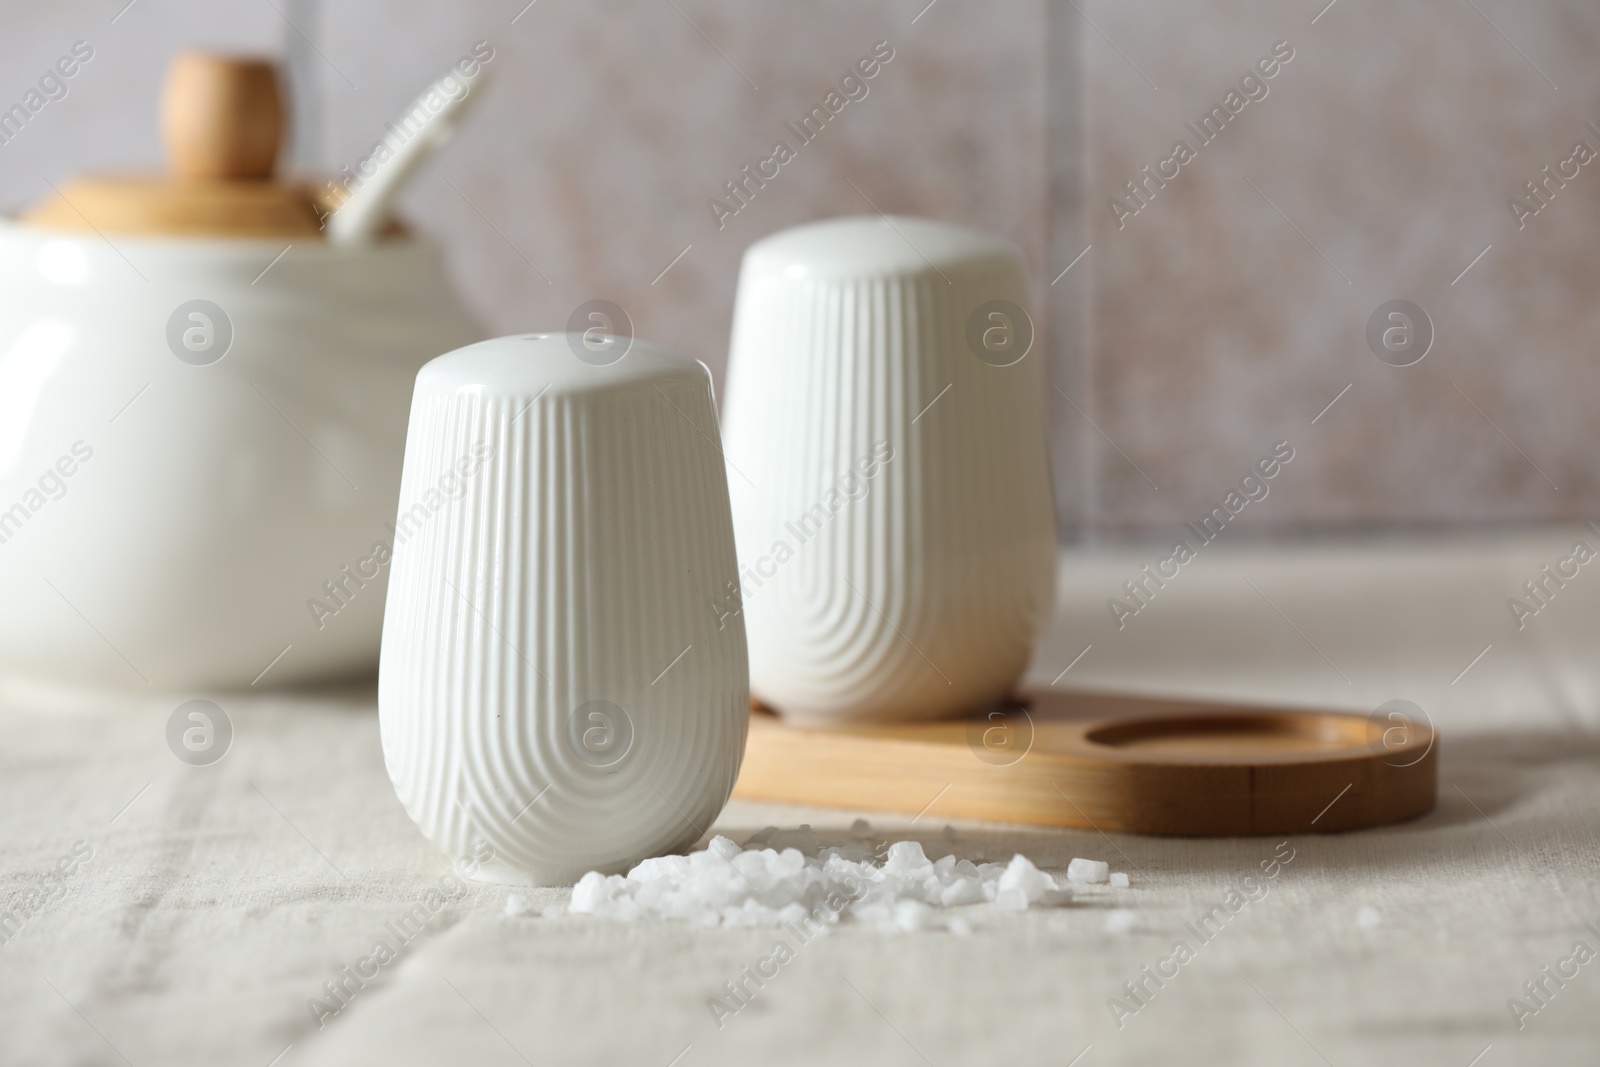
(216, 901)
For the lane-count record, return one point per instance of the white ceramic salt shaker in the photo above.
(558, 691)
(884, 428)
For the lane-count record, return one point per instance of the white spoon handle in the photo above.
(429, 122)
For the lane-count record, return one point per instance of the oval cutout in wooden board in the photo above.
(1111, 763)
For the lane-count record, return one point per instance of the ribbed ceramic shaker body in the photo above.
(884, 429)
(558, 689)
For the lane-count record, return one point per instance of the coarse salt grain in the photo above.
(786, 876)
(1082, 870)
(1119, 880)
(517, 904)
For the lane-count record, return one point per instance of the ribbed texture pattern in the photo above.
(922, 598)
(583, 557)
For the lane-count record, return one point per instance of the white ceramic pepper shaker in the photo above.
(884, 427)
(558, 692)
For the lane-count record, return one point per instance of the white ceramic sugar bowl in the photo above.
(885, 437)
(557, 687)
(214, 493)
(202, 412)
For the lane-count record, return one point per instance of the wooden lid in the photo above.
(1156, 768)
(221, 122)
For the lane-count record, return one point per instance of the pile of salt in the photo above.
(795, 879)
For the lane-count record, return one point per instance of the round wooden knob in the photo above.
(221, 117)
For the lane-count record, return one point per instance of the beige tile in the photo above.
(1390, 143)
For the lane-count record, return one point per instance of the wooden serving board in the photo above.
(1111, 763)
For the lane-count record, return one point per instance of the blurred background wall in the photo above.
(1186, 340)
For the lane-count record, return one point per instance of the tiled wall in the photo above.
(1229, 312)
(1219, 320)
